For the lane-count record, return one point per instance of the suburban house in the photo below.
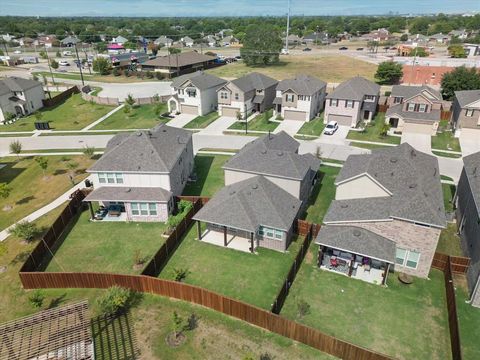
(275, 157)
(377, 35)
(187, 41)
(471, 50)
(229, 41)
(467, 201)
(439, 38)
(352, 101)
(414, 109)
(163, 41)
(466, 110)
(120, 40)
(20, 96)
(248, 214)
(69, 41)
(48, 41)
(294, 39)
(127, 60)
(424, 74)
(195, 93)
(387, 215)
(210, 40)
(301, 98)
(418, 40)
(316, 38)
(179, 64)
(462, 34)
(139, 173)
(253, 92)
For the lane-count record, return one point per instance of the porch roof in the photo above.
(258, 99)
(358, 241)
(277, 101)
(128, 194)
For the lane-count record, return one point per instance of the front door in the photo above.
(393, 122)
(366, 115)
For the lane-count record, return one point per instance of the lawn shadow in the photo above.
(59, 172)
(202, 168)
(9, 172)
(25, 200)
(20, 257)
(55, 302)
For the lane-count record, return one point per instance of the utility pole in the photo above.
(86, 61)
(79, 64)
(413, 65)
(6, 50)
(288, 27)
(49, 67)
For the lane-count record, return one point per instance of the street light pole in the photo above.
(79, 64)
(49, 67)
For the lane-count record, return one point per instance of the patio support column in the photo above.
(225, 236)
(92, 215)
(251, 243)
(199, 230)
(387, 270)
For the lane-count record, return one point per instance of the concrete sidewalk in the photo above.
(95, 123)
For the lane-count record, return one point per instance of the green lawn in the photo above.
(447, 155)
(210, 176)
(73, 114)
(448, 194)
(31, 189)
(313, 127)
(255, 279)
(373, 131)
(201, 122)
(258, 123)
(469, 321)
(449, 242)
(141, 117)
(407, 322)
(106, 246)
(446, 141)
(367, 146)
(322, 194)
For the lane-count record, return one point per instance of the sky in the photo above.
(181, 8)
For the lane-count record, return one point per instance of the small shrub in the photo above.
(159, 76)
(114, 300)
(184, 206)
(116, 72)
(36, 299)
(89, 151)
(25, 230)
(127, 109)
(127, 73)
(180, 274)
(192, 322)
(303, 308)
(177, 324)
(149, 75)
(266, 356)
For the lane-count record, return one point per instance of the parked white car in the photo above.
(63, 63)
(17, 52)
(67, 53)
(331, 127)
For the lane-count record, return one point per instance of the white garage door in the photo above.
(295, 115)
(341, 119)
(190, 109)
(426, 129)
(230, 112)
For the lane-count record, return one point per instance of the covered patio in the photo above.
(229, 238)
(356, 253)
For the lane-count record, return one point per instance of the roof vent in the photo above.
(393, 160)
(357, 233)
(413, 153)
(412, 186)
(255, 186)
(149, 133)
(164, 130)
(344, 206)
(128, 190)
(280, 153)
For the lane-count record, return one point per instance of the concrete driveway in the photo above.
(338, 138)
(180, 120)
(469, 141)
(218, 126)
(291, 127)
(421, 142)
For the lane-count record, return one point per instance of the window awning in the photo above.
(129, 194)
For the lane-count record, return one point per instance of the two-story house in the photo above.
(414, 109)
(466, 110)
(301, 98)
(352, 101)
(253, 92)
(20, 96)
(387, 215)
(139, 174)
(467, 201)
(195, 93)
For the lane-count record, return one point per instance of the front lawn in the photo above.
(255, 279)
(141, 117)
(201, 122)
(446, 141)
(322, 195)
(373, 132)
(261, 122)
(73, 114)
(404, 321)
(469, 322)
(313, 127)
(210, 176)
(449, 242)
(31, 189)
(367, 146)
(106, 246)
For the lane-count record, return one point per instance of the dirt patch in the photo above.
(175, 340)
(309, 257)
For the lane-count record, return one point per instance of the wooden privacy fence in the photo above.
(60, 97)
(458, 264)
(101, 100)
(209, 299)
(445, 115)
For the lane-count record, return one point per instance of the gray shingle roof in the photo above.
(412, 177)
(182, 59)
(144, 151)
(410, 91)
(273, 155)
(429, 117)
(358, 241)
(17, 84)
(302, 85)
(250, 203)
(358, 210)
(200, 80)
(355, 89)
(120, 193)
(471, 164)
(254, 81)
(466, 97)
(70, 40)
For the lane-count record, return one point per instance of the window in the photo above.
(135, 209)
(290, 97)
(349, 103)
(192, 93)
(143, 209)
(407, 258)
(270, 233)
(410, 107)
(237, 96)
(333, 102)
(119, 178)
(223, 95)
(412, 260)
(31, 104)
(102, 178)
(152, 208)
(422, 107)
(300, 97)
(369, 97)
(400, 256)
(469, 112)
(111, 178)
(278, 234)
(397, 100)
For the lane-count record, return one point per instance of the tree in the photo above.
(54, 64)
(25, 230)
(43, 163)
(457, 51)
(404, 37)
(57, 54)
(177, 324)
(72, 169)
(102, 66)
(158, 110)
(389, 72)
(5, 190)
(261, 45)
(114, 300)
(172, 50)
(15, 147)
(419, 52)
(460, 78)
(129, 100)
(36, 298)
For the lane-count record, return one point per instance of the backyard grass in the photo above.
(105, 246)
(314, 127)
(201, 122)
(258, 123)
(329, 68)
(449, 242)
(141, 117)
(255, 279)
(73, 114)
(469, 322)
(322, 195)
(30, 189)
(373, 132)
(210, 176)
(448, 194)
(446, 141)
(406, 322)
